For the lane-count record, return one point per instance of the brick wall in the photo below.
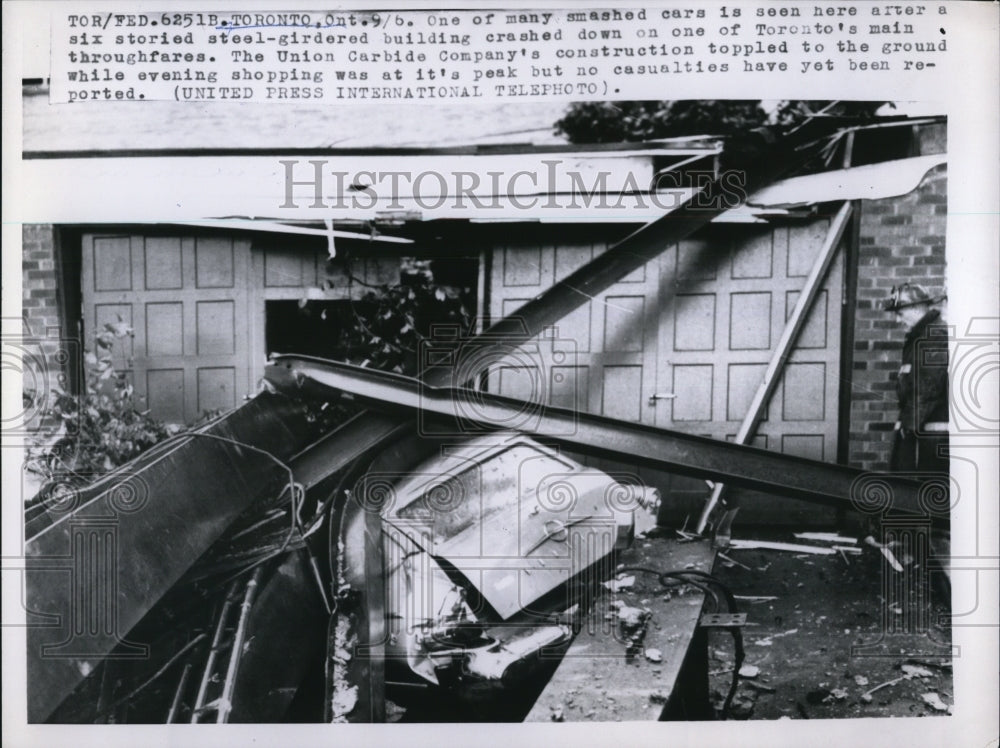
(902, 239)
(40, 311)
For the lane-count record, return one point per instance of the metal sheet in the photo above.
(516, 556)
(275, 660)
(93, 573)
(870, 182)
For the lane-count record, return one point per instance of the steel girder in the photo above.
(466, 412)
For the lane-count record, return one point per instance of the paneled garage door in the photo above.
(186, 300)
(683, 342)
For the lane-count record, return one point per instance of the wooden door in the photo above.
(683, 342)
(185, 297)
(731, 289)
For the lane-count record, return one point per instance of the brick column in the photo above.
(45, 359)
(902, 239)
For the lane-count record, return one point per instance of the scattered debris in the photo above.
(621, 583)
(861, 680)
(837, 694)
(749, 671)
(628, 616)
(557, 714)
(885, 549)
(761, 687)
(767, 545)
(852, 549)
(654, 655)
(946, 665)
(658, 697)
(934, 702)
(767, 641)
(633, 623)
(867, 695)
(915, 671)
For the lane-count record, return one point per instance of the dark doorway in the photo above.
(312, 328)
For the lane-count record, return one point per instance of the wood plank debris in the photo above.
(768, 545)
(886, 551)
(847, 549)
(830, 537)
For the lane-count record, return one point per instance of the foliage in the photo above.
(613, 122)
(793, 112)
(99, 429)
(391, 321)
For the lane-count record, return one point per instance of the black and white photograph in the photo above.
(542, 411)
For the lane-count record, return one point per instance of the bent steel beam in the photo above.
(468, 411)
(757, 164)
(729, 190)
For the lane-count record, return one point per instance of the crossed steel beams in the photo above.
(465, 412)
(765, 163)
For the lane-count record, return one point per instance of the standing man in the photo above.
(920, 441)
(920, 437)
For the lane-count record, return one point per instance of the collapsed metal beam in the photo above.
(728, 191)
(467, 411)
(112, 551)
(224, 480)
(756, 164)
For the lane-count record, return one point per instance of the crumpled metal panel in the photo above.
(516, 519)
(113, 553)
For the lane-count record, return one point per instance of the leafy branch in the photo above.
(102, 427)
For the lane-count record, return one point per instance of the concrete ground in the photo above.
(838, 629)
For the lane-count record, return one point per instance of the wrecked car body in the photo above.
(483, 544)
